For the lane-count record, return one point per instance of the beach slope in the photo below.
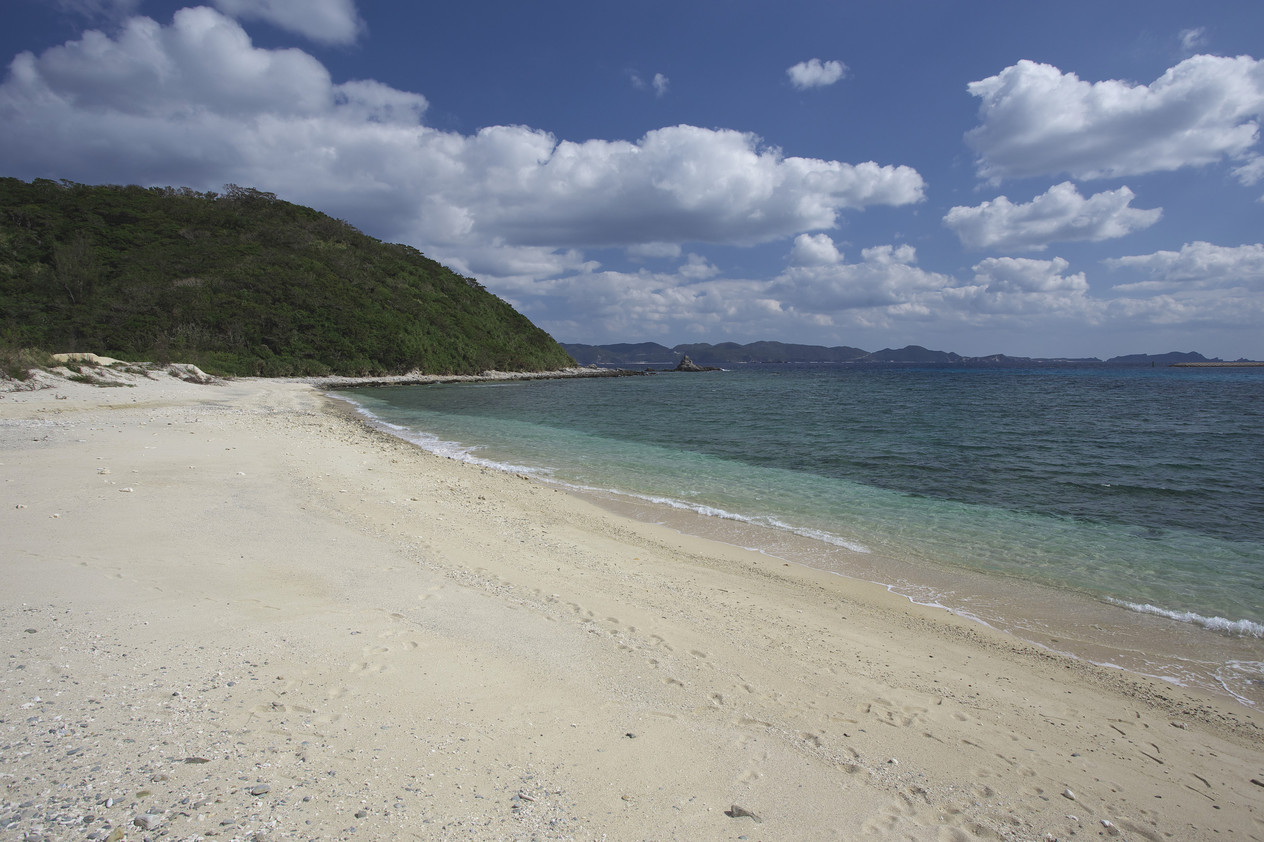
(234, 611)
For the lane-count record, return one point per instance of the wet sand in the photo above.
(1064, 622)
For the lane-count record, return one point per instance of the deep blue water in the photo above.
(1144, 487)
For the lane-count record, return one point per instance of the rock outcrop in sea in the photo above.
(687, 364)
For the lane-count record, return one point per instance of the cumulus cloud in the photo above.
(1024, 276)
(816, 73)
(819, 293)
(814, 250)
(323, 21)
(660, 84)
(675, 184)
(196, 103)
(1200, 285)
(1198, 265)
(201, 65)
(594, 306)
(886, 276)
(697, 268)
(1059, 215)
(1036, 120)
(887, 288)
(695, 299)
(1014, 292)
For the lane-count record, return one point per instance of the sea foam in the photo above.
(1238, 628)
(464, 453)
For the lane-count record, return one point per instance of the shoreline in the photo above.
(268, 617)
(1098, 631)
(1185, 650)
(335, 383)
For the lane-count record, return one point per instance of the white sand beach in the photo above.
(234, 611)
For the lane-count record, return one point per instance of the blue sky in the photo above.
(1078, 179)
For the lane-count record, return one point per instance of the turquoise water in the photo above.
(1142, 488)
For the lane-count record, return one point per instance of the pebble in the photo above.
(1067, 793)
(147, 821)
(737, 812)
(261, 789)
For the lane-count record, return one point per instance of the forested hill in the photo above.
(240, 283)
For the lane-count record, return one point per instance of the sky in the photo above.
(1081, 178)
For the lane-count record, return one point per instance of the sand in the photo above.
(232, 611)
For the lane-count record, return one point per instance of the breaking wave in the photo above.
(1236, 628)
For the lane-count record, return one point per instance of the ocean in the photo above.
(1113, 514)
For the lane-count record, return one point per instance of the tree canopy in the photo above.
(240, 283)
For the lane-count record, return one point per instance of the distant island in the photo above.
(240, 283)
(731, 354)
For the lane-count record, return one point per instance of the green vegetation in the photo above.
(96, 381)
(238, 284)
(17, 363)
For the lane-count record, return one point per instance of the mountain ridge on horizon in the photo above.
(768, 352)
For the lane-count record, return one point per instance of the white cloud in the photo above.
(596, 306)
(1201, 285)
(886, 277)
(201, 66)
(99, 10)
(649, 251)
(1017, 293)
(814, 250)
(323, 21)
(1024, 276)
(697, 268)
(886, 292)
(1059, 215)
(816, 73)
(1198, 265)
(517, 268)
(195, 103)
(1193, 40)
(886, 287)
(659, 84)
(1251, 171)
(1037, 120)
(889, 289)
(676, 184)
